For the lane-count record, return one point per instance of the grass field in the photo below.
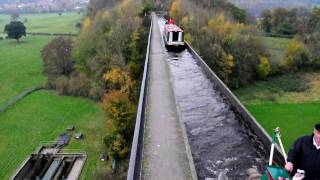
(300, 87)
(291, 102)
(47, 23)
(277, 48)
(42, 116)
(20, 65)
(295, 120)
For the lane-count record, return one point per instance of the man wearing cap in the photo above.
(305, 155)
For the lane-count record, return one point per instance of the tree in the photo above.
(15, 30)
(279, 15)
(264, 67)
(266, 20)
(313, 45)
(297, 56)
(239, 14)
(315, 17)
(221, 63)
(285, 28)
(175, 10)
(57, 58)
(121, 116)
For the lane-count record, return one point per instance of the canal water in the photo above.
(221, 145)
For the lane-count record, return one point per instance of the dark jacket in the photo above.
(305, 156)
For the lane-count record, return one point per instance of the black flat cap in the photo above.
(317, 127)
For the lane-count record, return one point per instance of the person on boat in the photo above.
(305, 155)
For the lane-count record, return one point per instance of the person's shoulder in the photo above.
(304, 138)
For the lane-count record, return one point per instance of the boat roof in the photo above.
(173, 27)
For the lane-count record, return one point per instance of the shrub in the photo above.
(62, 84)
(121, 116)
(293, 83)
(118, 79)
(219, 61)
(96, 91)
(297, 56)
(120, 111)
(117, 145)
(264, 67)
(79, 86)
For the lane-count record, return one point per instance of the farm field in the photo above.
(20, 65)
(277, 48)
(43, 115)
(47, 23)
(295, 120)
(291, 102)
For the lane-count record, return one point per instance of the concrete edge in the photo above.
(146, 110)
(185, 139)
(182, 125)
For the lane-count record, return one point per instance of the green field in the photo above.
(47, 23)
(277, 48)
(20, 65)
(295, 120)
(42, 116)
(291, 102)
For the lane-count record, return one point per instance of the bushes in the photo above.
(79, 86)
(120, 110)
(297, 56)
(121, 117)
(247, 50)
(264, 67)
(219, 61)
(62, 84)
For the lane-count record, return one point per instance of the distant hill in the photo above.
(30, 1)
(256, 6)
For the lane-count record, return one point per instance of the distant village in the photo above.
(43, 6)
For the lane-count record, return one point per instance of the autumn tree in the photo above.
(113, 38)
(297, 56)
(175, 10)
(120, 111)
(218, 60)
(58, 63)
(264, 67)
(57, 57)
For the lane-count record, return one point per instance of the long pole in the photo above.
(282, 148)
(272, 149)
